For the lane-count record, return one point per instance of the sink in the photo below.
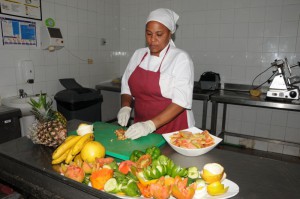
(21, 103)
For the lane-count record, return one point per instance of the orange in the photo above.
(92, 150)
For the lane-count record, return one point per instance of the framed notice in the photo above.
(18, 32)
(22, 8)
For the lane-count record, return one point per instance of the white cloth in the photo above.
(176, 76)
(140, 129)
(124, 115)
(164, 16)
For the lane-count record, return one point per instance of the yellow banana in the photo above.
(69, 157)
(61, 158)
(69, 137)
(83, 140)
(65, 146)
(78, 160)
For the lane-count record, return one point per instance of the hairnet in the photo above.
(164, 16)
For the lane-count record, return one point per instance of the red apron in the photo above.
(149, 102)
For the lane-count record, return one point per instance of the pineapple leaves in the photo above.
(42, 109)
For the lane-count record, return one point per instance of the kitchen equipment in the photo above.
(27, 118)
(283, 87)
(51, 38)
(121, 149)
(9, 124)
(77, 102)
(210, 81)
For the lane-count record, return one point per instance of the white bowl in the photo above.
(191, 152)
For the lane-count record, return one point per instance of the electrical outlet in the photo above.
(90, 61)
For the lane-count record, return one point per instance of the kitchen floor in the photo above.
(276, 156)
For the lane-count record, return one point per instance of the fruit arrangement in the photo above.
(81, 145)
(50, 127)
(147, 173)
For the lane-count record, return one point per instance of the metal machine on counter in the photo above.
(283, 86)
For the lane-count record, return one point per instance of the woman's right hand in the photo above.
(124, 115)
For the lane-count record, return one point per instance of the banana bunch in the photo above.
(70, 148)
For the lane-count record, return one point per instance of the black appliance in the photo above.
(210, 81)
(77, 102)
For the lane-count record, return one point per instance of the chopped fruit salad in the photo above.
(189, 140)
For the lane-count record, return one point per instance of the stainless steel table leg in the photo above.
(204, 114)
(224, 117)
(214, 118)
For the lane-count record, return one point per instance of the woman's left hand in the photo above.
(140, 129)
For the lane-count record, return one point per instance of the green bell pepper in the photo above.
(153, 151)
(131, 189)
(135, 155)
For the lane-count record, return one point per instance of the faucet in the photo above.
(22, 94)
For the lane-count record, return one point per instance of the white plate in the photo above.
(191, 152)
(232, 191)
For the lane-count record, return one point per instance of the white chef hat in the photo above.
(164, 16)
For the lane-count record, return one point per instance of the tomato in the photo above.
(180, 189)
(159, 190)
(144, 161)
(125, 166)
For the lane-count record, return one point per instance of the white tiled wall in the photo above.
(236, 38)
(83, 24)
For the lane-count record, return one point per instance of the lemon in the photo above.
(92, 150)
(216, 188)
(255, 92)
(212, 172)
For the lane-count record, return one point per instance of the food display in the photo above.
(147, 174)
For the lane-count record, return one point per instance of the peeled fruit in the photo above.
(75, 172)
(216, 189)
(84, 128)
(212, 172)
(92, 150)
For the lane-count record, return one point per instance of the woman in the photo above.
(159, 78)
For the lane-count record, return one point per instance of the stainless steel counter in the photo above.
(28, 167)
(198, 94)
(243, 98)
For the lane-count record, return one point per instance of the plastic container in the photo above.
(77, 102)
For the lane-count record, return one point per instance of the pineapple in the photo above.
(50, 127)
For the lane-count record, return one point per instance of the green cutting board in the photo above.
(122, 149)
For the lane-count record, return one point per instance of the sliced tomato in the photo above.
(180, 189)
(159, 190)
(144, 161)
(125, 166)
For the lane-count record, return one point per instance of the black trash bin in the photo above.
(77, 102)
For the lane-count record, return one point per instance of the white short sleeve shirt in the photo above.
(176, 75)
